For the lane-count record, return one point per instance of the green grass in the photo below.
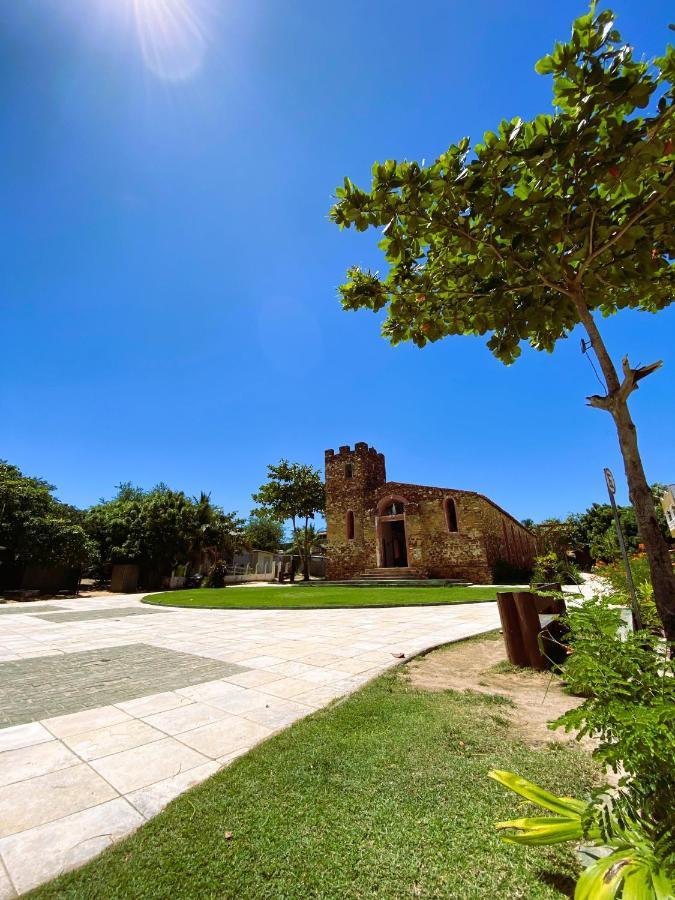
(320, 596)
(382, 795)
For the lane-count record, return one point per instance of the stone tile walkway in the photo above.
(40, 686)
(123, 712)
(14, 609)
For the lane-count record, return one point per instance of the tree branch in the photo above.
(620, 395)
(620, 233)
(549, 284)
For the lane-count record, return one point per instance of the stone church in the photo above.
(385, 527)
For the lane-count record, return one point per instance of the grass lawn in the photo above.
(382, 795)
(320, 596)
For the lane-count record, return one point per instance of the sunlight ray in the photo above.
(172, 37)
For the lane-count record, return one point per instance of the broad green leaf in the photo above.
(542, 830)
(564, 806)
(602, 880)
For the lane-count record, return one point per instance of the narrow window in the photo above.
(451, 514)
(350, 526)
(349, 471)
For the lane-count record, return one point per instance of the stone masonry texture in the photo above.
(357, 491)
(42, 687)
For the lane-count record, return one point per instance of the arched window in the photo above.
(451, 514)
(349, 526)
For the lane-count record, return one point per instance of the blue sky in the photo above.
(168, 274)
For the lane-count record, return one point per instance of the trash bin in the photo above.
(524, 615)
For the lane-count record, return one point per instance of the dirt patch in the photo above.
(481, 666)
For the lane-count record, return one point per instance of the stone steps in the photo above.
(399, 573)
(393, 582)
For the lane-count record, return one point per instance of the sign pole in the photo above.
(611, 490)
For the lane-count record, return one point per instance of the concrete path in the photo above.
(110, 708)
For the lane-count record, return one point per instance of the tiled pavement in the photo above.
(113, 708)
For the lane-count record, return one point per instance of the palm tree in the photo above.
(305, 541)
(216, 532)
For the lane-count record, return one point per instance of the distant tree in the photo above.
(596, 531)
(116, 525)
(161, 529)
(546, 225)
(592, 534)
(216, 533)
(293, 492)
(35, 527)
(262, 532)
(559, 536)
(306, 542)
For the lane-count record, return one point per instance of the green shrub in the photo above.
(629, 859)
(216, 576)
(552, 567)
(615, 573)
(628, 679)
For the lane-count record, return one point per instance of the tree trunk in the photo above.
(641, 497)
(660, 564)
(305, 573)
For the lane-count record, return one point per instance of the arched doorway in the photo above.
(392, 549)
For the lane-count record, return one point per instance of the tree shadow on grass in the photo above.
(561, 881)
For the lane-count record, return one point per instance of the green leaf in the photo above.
(567, 807)
(545, 65)
(539, 831)
(602, 880)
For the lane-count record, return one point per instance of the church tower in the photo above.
(351, 477)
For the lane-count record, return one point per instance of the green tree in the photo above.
(595, 530)
(216, 533)
(161, 528)
(294, 492)
(545, 225)
(35, 527)
(115, 525)
(307, 541)
(262, 532)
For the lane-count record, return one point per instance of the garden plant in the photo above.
(628, 680)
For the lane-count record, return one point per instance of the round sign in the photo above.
(611, 484)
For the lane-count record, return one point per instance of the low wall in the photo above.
(251, 576)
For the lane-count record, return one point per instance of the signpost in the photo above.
(611, 490)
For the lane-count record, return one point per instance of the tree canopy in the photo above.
(500, 239)
(537, 229)
(35, 527)
(593, 533)
(161, 528)
(293, 491)
(262, 532)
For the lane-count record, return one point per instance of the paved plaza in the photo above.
(110, 708)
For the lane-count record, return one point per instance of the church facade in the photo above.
(429, 532)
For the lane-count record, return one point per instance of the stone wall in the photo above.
(356, 485)
(349, 490)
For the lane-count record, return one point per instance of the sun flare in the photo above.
(171, 36)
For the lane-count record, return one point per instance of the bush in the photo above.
(629, 682)
(553, 568)
(216, 577)
(615, 573)
(630, 685)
